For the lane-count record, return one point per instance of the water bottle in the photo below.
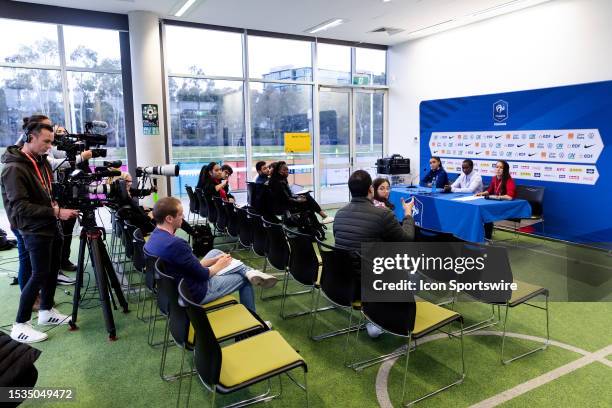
(433, 184)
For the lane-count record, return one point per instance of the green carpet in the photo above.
(125, 373)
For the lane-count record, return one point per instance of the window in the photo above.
(371, 64)
(274, 59)
(194, 51)
(31, 79)
(277, 109)
(334, 64)
(207, 124)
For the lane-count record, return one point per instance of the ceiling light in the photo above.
(184, 8)
(326, 25)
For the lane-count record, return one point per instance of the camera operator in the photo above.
(58, 162)
(26, 192)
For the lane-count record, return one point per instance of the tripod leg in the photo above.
(79, 281)
(99, 270)
(112, 277)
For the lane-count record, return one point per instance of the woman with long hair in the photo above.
(213, 182)
(382, 187)
(285, 200)
(502, 185)
(436, 174)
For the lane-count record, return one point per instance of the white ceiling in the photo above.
(295, 17)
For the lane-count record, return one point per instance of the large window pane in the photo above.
(371, 64)
(368, 129)
(97, 96)
(207, 124)
(92, 48)
(277, 109)
(24, 92)
(28, 43)
(334, 64)
(279, 59)
(203, 52)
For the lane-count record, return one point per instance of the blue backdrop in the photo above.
(578, 211)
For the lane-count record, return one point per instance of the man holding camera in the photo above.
(26, 192)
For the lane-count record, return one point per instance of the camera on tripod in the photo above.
(76, 143)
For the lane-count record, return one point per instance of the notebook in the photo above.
(235, 264)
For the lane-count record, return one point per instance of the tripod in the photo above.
(106, 279)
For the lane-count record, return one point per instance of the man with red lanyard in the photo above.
(26, 192)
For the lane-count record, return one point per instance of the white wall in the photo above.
(557, 43)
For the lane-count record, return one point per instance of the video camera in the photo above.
(76, 143)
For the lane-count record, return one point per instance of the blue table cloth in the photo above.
(464, 219)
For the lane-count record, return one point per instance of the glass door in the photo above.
(351, 133)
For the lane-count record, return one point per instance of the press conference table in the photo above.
(441, 212)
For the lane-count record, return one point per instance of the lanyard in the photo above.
(498, 186)
(46, 184)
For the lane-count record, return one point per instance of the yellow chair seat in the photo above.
(222, 301)
(254, 357)
(524, 292)
(228, 322)
(429, 317)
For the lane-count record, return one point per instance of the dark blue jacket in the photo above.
(441, 180)
(180, 261)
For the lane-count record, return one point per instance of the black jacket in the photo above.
(282, 197)
(359, 221)
(15, 360)
(28, 206)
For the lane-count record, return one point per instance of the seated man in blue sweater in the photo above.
(201, 276)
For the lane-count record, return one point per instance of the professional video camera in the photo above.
(76, 143)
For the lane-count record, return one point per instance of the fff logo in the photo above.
(500, 111)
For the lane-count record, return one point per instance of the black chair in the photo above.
(221, 216)
(260, 238)
(232, 218)
(128, 231)
(339, 285)
(534, 195)
(212, 210)
(239, 365)
(278, 255)
(139, 264)
(250, 192)
(245, 227)
(194, 205)
(202, 204)
(304, 267)
(150, 284)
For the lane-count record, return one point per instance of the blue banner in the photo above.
(553, 137)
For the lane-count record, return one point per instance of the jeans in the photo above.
(229, 282)
(25, 267)
(45, 253)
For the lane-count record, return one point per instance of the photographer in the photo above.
(26, 192)
(58, 162)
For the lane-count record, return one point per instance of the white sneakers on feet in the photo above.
(63, 279)
(51, 318)
(258, 278)
(327, 220)
(25, 333)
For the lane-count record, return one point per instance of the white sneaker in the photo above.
(25, 333)
(373, 330)
(327, 220)
(268, 323)
(258, 278)
(51, 318)
(63, 279)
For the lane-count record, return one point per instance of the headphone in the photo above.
(31, 127)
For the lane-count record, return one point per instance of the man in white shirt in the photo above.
(468, 182)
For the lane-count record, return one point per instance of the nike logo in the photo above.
(467, 145)
(477, 153)
(532, 154)
(520, 145)
(497, 137)
(587, 146)
(557, 136)
(450, 137)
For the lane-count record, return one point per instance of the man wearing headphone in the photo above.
(26, 192)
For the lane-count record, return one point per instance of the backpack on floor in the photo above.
(6, 244)
(202, 240)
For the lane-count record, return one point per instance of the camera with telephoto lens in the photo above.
(171, 170)
(76, 143)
